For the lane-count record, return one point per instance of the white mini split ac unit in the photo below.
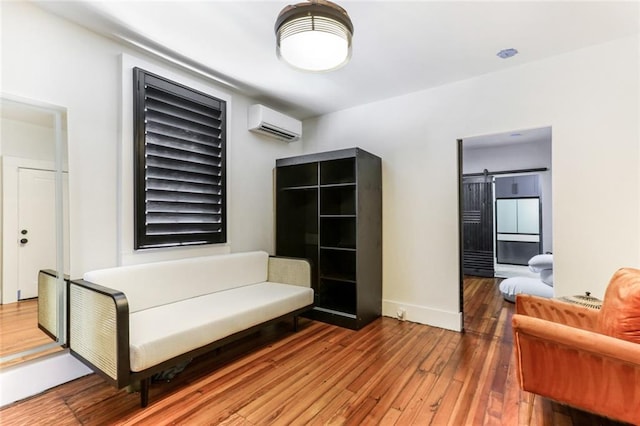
(273, 123)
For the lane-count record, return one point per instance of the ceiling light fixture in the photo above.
(314, 36)
(507, 53)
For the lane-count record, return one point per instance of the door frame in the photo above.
(460, 171)
(460, 238)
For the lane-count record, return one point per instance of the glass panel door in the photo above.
(507, 216)
(529, 216)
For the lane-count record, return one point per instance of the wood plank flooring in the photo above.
(389, 373)
(19, 331)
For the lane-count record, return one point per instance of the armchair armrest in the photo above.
(289, 270)
(587, 341)
(592, 371)
(99, 330)
(558, 312)
(48, 303)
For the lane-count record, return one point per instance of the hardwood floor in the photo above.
(389, 373)
(19, 331)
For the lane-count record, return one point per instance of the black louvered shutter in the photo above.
(180, 164)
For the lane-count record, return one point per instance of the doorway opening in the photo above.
(505, 206)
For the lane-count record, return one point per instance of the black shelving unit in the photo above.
(329, 210)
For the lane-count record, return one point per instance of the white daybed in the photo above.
(129, 323)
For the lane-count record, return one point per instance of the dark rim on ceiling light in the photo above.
(314, 15)
(507, 53)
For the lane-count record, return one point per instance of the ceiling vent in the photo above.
(273, 123)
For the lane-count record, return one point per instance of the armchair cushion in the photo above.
(620, 313)
(511, 287)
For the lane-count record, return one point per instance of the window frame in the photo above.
(142, 238)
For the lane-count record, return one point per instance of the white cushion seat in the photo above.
(516, 285)
(166, 331)
(541, 262)
(542, 287)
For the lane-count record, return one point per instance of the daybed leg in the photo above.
(295, 323)
(144, 391)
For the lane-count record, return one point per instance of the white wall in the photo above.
(590, 99)
(520, 156)
(49, 59)
(22, 139)
(75, 68)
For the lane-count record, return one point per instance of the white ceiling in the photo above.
(542, 134)
(398, 47)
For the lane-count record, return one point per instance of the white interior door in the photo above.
(36, 227)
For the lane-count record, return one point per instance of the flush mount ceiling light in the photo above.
(507, 53)
(314, 36)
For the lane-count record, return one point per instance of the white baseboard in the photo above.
(420, 314)
(36, 376)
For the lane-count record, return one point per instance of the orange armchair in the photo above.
(583, 357)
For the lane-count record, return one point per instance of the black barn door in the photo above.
(477, 226)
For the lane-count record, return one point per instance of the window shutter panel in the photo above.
(180, 167)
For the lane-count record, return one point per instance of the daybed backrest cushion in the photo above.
(620, 312)
(155, 284)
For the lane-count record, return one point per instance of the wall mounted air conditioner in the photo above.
(273, 123)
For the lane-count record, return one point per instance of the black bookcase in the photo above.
(329, 210)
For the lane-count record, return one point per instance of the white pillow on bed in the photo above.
(541, 262)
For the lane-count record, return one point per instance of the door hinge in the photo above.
(18, 294)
